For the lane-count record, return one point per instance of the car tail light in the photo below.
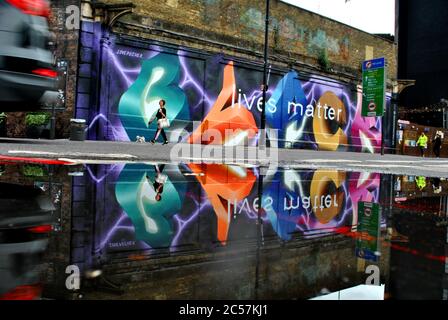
(28, 292)
(32, 7)
(41, 229)
(45, 73)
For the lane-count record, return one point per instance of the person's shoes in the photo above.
(165, 142)
(153, 141)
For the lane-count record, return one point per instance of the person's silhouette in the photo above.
(158, 182)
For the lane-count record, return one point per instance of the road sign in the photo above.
(368, 240)
(374, 87)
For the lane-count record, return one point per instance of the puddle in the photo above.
(197, 231)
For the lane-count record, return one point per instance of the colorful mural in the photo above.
(197, 205)
(307, 111)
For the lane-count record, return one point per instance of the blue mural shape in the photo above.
(158, 79)
(289, 89)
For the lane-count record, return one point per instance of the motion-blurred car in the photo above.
(26, 61)
(25, 221)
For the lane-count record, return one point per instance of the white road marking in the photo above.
(91, 155)
(93, 161)
(436, 165)
(389, 161)
(327, 160)
(32, 152)
(408, 161)
(383, 165)
(217, 160)
(105, 155)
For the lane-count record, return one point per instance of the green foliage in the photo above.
(33, 171)
(323, 60)
(37, 119)
(3, 117)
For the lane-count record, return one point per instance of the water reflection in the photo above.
(25, 221)
(195, 231)
(298, 203)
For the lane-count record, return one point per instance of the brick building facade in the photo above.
(296, 36)
(318, 56)
(299, 40)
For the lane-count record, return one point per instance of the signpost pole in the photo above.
(262, 146)
(382, 135)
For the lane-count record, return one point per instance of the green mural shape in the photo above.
(158, 79)
(152, 219)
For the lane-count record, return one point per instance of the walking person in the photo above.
(422, 143)
(437, 144)
(162, 122)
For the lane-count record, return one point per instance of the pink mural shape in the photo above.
(364, 132)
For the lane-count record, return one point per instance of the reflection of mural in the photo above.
(224, 185)
(309, 112)
(152, 218)
(219, 204)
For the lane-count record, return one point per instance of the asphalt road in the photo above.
(110, 151)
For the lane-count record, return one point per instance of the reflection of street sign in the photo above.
(374, 87)
(368, 241)
(367, 212)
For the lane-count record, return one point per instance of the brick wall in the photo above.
(297, 37)
(298, 270)
(295, 34)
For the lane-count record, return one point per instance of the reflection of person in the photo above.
(421, 183)
(422, 143)
(161, 114)
(437, 188)
(437, 144)
(158, 182)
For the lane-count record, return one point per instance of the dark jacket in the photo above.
(161, 113)
(437, 142)
(158, 187)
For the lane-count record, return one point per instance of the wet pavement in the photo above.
(198, 231)
(111, 152)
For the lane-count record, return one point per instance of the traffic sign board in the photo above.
(374, 87)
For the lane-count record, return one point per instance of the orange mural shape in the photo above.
(224, 187)
(226, 114)
(325, 137)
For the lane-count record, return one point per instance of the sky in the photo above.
(373, 16)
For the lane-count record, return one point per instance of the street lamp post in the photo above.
(445, 114)
(262, 145)
(262, 140)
